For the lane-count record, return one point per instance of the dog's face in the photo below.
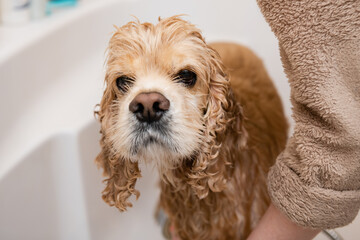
(165, 101)
(159, 79)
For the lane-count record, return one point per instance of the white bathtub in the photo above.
(51, 75)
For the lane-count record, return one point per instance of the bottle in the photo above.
(15, 11)
(57, 5)
(38, 9)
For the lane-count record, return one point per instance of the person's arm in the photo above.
(315, 181)
(274, 225)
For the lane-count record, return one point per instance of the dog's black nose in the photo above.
(149, 107)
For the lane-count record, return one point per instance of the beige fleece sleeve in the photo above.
(316, 180)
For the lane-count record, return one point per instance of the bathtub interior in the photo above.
(42, 195)
(54, 193)
(50, 187)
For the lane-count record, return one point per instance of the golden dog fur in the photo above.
(224, 134)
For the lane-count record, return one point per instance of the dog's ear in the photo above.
(121, 174)
(120, 182)
(223, 111)
(222, 114)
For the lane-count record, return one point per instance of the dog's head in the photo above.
(167, 101)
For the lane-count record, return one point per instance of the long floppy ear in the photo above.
(121, 173)
(223, 114)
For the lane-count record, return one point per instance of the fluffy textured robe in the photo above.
(316, 180)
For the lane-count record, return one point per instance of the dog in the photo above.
(207, 115)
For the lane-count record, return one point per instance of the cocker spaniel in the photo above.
(208, 117)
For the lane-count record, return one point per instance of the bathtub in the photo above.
(51, 75)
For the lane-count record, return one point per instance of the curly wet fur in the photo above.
(214, 185)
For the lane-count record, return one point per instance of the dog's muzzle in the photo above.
(152, 125)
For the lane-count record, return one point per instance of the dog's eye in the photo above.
(123, 83)
(186, 77)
